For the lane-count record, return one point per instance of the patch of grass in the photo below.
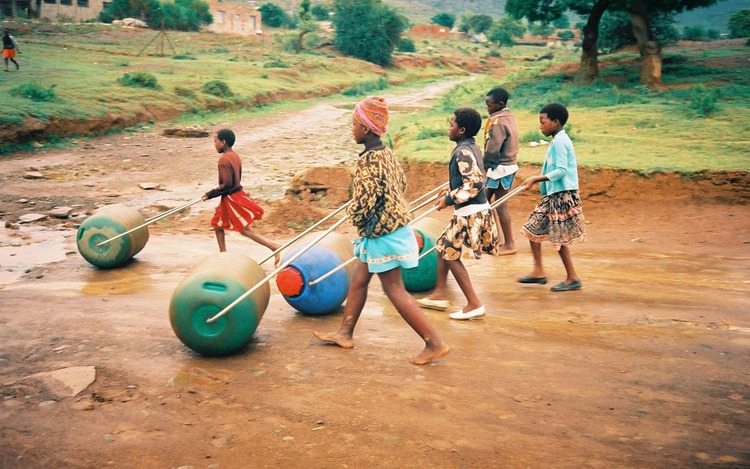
(34, 92)
(139, 80)
(364, 88)
(217, 88)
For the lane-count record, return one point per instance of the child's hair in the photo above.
(226, 136)
(469, 119)
(499, 95)
(556, 112)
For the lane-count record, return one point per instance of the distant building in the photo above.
(234, 18)
(431, 30)
(229, 17)
(74, 11)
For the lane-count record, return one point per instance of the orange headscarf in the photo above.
(372, 112)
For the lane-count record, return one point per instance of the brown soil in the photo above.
(646, 366)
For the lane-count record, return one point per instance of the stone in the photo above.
(60, 212)
(31, 217)
(66, 382)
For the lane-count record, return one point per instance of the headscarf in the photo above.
(372, 112)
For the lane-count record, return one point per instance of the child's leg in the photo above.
(260, 239)
(393, 286)
(536, 252)
(355, 301)
(503, 214)
(567, 260)
(458, 269)
(220, 239)
(507, 244)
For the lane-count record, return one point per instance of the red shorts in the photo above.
(236, 212)
(9, 53)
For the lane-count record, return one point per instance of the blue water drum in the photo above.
(211, 286)
(326, 296)
(108, 222)
(423, 277)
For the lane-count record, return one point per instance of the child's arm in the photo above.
(226, 181)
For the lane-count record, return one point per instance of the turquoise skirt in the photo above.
(384, 253)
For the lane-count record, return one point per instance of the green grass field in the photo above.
(87, 71)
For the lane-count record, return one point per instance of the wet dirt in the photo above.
(647, 366)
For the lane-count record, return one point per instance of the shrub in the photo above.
(704, 100)
(184, 92)
(366, 87)
(139, 80)
(406, 45)
(34, 92)
(217, 88)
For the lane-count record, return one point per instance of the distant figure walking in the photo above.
(10, 48)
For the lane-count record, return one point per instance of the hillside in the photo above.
(420, 11)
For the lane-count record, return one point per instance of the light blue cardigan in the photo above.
(560, 166)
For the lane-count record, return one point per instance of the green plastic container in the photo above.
(108, 222)
(214, 283)
(424, 276)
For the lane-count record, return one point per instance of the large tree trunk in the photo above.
(648, 46)
(589, 53)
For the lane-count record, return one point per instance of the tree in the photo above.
(504, 30)
(186, 15)
(641, 13)
(273, 16)
(616, 31)
(306, 23)
(367, 29)
(321, 12)
(739, 24)
(444, 19)
(480, 23)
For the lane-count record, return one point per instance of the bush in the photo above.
(34, 92)
(184, 92)
(704, 101)
(367, 30)
(139, 80)
(739, 24)
(362, 89)
(406, 45)
(217, 88)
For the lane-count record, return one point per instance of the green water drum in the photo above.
(212, 285)
(423, 277)
(108, 222)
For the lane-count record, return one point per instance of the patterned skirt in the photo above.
(557, 218)
(468, 237)
(236, 212)
(384, 253)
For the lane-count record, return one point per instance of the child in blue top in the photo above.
(558, 217)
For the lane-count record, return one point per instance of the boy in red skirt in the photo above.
(236, 211)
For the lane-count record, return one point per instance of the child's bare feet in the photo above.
(276, 259)
(337, 338)
(430, 353)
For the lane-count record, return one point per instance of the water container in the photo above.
(106, 223)
(212, 285)
(423, 277)
(328, 295)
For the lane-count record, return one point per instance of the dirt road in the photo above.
(647, 366)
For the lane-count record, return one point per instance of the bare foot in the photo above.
(505, 250)
(429, 354)
(276, 259)
(337, 338)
